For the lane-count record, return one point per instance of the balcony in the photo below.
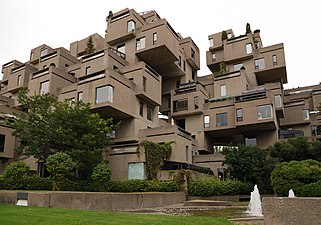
(191, 52)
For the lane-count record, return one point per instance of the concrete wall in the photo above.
(97, 200)
(292, 211)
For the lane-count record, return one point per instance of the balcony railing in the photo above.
(191, 86)
(123, 55)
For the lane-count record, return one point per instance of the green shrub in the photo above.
(14, 174)
(88, 186)
(311, 190)
(101, 175)
(294, 175)
(142, 186)
(37, 183)
(213, 186)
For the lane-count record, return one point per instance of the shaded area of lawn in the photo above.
(19, 215)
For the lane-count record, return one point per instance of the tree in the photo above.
(14, 175)
(294, 175)
(60, 166)
(101, 175)
(248, 28)
(90, 46)
(224, 36)
(250, 164)
(47, 126)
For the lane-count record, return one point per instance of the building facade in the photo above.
(144, 74)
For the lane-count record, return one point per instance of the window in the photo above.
(213, 57)
(44, 52)
(2, 142)
(31, 56)
(104, 94)
(137, 170)
(140, 43)
(250, 141)
(181, 123)
(237, 67)
(229, 35)
(186, 153)
(239, 115)
(19, 80)
(111, 134)
(184, 65)
(144, 84)
(44, 87)
(206, 121)
(223, 90)
(180, 105)
(141, 109)
(315, 130)
(131, 26)
(150, 113)
(154, 38)
(195, 102)
(193, 74)
(211, 42)
(259, 63)
(257, 44)
(180, 61)
(248, 48)
(177, 83)
(306, 115)
(192, 53)
(221, 119)
(71, 101)
(121, 48)
(79, 96)
(264, 112)
(278, 101)
(274, 60)
(87, 70)
(285, 134)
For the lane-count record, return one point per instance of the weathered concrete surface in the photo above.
(38, 199)
(207, 203)
(9, 197)
(292, 211)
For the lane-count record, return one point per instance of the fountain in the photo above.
(291, 194)
(255, 207)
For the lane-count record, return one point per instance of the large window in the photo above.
(206, 121)
(285, 134)
(104, 94)
(239, 115)
(150, 113)
(274, 60)
(211, 42)
(248, 48)
(237, 67)
(44, 52)
(131, 26)
(2, 142)
(278, 101)
(223, 90)
(44, 87)
(306, 115)
(251, 141)
(180, 105)
(137, 170)
(259, 63)
(264, 112)
(221, 119)
(140, 43)
(181, 123)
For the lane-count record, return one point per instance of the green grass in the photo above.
(20, 215)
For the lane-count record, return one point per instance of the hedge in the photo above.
(212, 186)
(311, 190)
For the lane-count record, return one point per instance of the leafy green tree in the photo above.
(296, 149)
(250, 164)
(101, 175)
(90, 46)
(47, 126)
(294, 175)
(60, 166)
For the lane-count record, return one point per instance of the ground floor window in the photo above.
(137, 170)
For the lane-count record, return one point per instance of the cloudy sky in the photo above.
(26, 24)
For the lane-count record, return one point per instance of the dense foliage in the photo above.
(90, 46)
(251, 165)
(214, 186)
(294, 175)
(101, 175)
(13, 175)
(143, 186)
(155, 155)
(60, 166)
(47, 126)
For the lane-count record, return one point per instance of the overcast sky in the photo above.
(26, 24)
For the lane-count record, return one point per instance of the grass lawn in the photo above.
(20, 215)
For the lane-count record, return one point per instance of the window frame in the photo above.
(131, 26)
(220, 119)
(109, 94)
(262, 115)
(42, 85)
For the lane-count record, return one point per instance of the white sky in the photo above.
(26, 24)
